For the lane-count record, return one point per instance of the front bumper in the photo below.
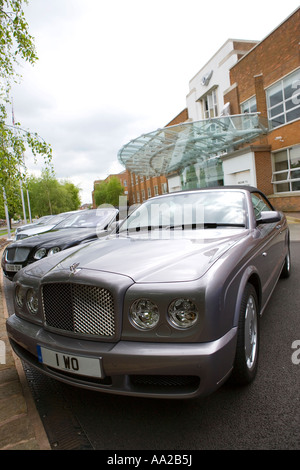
(157, 370)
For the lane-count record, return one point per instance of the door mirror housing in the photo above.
(269, 217)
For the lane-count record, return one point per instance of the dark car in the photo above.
(167, 307)
(80, 227)
(43, 225)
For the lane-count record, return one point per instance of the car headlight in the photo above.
(19, 296)
(53, 250)
(32, 301)
(183, 313)
(40, 253)
(144, 314)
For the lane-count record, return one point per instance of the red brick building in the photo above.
(138, 188)
(267, 80)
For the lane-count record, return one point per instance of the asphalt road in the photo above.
(265, 415)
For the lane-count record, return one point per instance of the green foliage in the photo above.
(49, 196)
(15, 43)
(46, 195)
(108, 192)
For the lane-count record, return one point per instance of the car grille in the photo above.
(79, 308)
(17, 255)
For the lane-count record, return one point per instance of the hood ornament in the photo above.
(74, 268)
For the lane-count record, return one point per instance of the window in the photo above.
(210, 106)
(164, 188)
(286, 170)
(249, 106)
(149, 192)
(283, 100)
(260, 204)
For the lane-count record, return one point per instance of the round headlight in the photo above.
(40, 253)
(32, 301)
(19, 296)
(183, 313)
(144, 314)
(53, 250)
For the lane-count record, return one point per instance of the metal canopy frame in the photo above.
(173, 148)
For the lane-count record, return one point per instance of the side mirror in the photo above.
(114, 226)
(269, 217)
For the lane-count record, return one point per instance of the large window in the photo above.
(286, 170)
(283, 100)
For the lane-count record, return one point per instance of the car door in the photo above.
(271, 242)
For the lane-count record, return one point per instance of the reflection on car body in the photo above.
(167, 307)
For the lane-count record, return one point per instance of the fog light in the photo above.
(40, 253)
(32, 301)
(144, 314)
(183, 313)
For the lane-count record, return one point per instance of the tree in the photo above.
(49, 196)
(15, 43)
(108, 192)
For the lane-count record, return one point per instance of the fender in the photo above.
(250, 271)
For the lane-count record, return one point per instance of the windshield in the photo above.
(90, 218)
(203, 209)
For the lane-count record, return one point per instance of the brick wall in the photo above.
(274, 57)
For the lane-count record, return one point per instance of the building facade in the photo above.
(248, 77)
(207, 87)
(243, 77)
(137, 188)
(267, 80)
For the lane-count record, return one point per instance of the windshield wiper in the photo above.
(217, 224)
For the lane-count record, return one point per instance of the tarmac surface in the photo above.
(20, 424)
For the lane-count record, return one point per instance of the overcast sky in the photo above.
(109, 71)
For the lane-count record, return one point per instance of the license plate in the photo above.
(13, 267)
(81, 365)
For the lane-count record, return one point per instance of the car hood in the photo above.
(147, 258)
(56, 237)
(35, 230)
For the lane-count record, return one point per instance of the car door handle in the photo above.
(278, 226)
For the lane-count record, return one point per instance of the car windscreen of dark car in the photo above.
(203, 209)
(86, 219)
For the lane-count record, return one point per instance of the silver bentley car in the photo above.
(169, 306)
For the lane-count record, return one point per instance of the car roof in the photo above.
(238, 187)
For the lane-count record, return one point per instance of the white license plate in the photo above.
(81, 365)
(13, 267)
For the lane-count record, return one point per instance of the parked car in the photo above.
(167, 307)
(80, 227)
(41, 221)
(36, 229)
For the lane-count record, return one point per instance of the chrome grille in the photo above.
(79, 308)
(17, 254)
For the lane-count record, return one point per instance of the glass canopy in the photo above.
(176, 147)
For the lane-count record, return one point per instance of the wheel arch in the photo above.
(250, 276)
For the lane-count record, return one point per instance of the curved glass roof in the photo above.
(174, 148)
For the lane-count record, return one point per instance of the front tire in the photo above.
(247, 350)
(286, 270)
